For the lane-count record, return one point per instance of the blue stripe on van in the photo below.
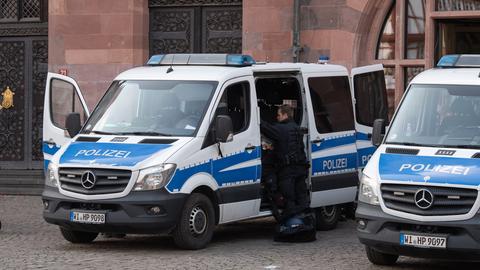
(441, 170)
(334, 142)
(215, 167)
(49, 149)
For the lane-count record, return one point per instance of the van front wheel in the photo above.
(327, 217)
(78, 237)
(380, 258)
(197, 221)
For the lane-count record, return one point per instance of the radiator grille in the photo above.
(106, 180)
(446, 200)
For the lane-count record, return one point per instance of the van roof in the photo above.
(219, 73)
(461, 76)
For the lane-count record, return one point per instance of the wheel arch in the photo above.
(212, 195)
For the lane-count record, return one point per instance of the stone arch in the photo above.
(369, 29)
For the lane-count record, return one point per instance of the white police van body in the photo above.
(419, 193)
(151, 159)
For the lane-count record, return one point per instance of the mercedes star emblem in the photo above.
(88, 179)
(423, 198)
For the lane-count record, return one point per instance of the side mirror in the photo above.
(378, 131)
(73, 124)
(223, 129)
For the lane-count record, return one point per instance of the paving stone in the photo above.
(28, 242)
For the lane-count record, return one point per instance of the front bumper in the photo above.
(382, 233)
(128, 214)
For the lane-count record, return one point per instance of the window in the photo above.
(332, 104)
(63, 101)
(401, 47)
(235, 102)
(386, 43)
(23, 10)
(169, 108)
(370, 96)
(415, 29)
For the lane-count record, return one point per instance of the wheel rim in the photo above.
(198, 221)
(329, 211)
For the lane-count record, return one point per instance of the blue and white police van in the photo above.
(419, 193)
(175, 146)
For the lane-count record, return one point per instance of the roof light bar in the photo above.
(459, 61)
(238, 60)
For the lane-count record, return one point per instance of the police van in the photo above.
(175, 146)
(419, 193)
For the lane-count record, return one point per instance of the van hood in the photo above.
(429, 169)
(129, 154)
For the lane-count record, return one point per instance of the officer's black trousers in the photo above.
(294, 188)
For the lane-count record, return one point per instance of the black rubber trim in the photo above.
(158, 141)
(403, 151)
(87, 139)
(239, 193)
(477, 155)
(336, 181)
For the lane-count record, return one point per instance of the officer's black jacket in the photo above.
(288, 141)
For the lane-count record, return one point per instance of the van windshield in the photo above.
(151, 108)
(438, 116)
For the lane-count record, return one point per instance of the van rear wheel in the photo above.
(327, 217)
(380, 258)
(197, 221)
(78, 237)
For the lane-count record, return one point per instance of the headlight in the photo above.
(51, 176)
(154, 177)
(368, 190)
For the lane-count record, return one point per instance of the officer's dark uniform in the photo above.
(289, 152)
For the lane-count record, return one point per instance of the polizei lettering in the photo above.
(447, 169)
(335, 164)
(103, 153)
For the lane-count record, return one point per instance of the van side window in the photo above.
(371, 100)
(235, 102)
(64, 100)
(332, 104)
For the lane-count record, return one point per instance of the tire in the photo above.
(327, 217)
(380, 258)
(78, 237)
(197, 221)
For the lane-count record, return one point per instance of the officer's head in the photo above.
(284, 113)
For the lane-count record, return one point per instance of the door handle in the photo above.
(318, 141)
(51, 142)
(250, 147)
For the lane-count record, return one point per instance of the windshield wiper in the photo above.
(145, 133)
(464, 146)
(103, 132)
(408, 143)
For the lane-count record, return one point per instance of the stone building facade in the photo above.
(94, 40)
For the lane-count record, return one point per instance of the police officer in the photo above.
(289, 153)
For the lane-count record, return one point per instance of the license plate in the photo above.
(424, 241)
(84, 217)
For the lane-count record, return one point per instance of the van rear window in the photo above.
(332, 103)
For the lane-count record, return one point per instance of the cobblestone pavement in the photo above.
(28, 242)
